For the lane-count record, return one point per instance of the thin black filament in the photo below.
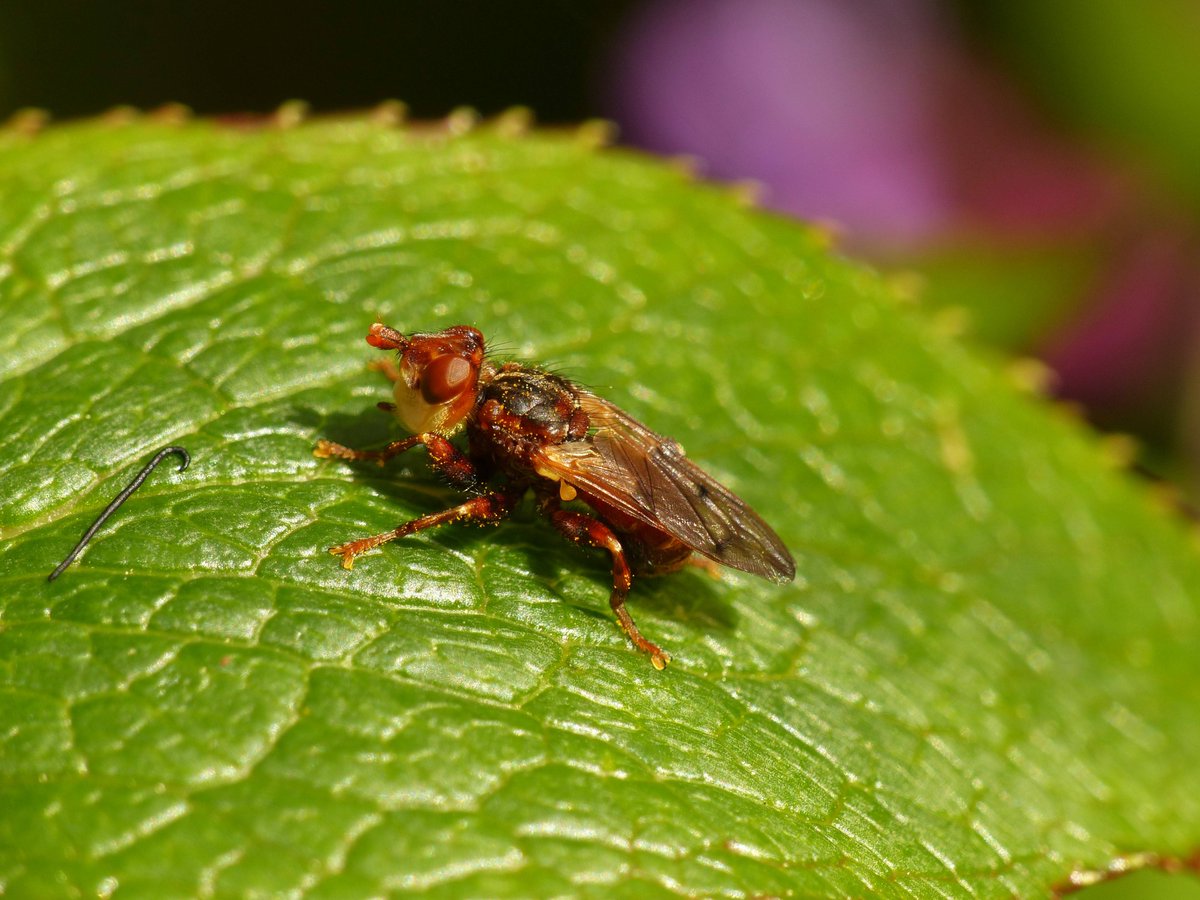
(118, 500)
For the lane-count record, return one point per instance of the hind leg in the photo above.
(583, 529)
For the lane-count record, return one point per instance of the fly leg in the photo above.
(703, 562)
(583, 529)
(444, 456)
(485, 509)
(390, 371)
(387, 366)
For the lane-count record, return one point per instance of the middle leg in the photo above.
(484, 509)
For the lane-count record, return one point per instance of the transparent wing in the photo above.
(647, 476)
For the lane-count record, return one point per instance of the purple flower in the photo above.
(830, 104)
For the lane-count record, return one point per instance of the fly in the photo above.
(528, 430)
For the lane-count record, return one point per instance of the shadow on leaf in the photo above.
(686, 596)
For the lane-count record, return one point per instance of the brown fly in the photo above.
(530, 430)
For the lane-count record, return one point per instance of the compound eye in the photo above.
(445, 378)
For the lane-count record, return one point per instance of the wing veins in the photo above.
(664, 489)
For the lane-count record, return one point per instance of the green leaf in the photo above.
(983, 678)
(1016, 293)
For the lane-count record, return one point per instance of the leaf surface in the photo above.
(983, 677)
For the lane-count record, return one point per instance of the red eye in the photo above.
(445, 378)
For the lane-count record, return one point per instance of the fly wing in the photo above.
(647, 476)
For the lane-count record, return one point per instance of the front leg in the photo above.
(387, 366)
(485, 509)
(444, 456)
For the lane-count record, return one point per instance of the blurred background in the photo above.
(1031, 166)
